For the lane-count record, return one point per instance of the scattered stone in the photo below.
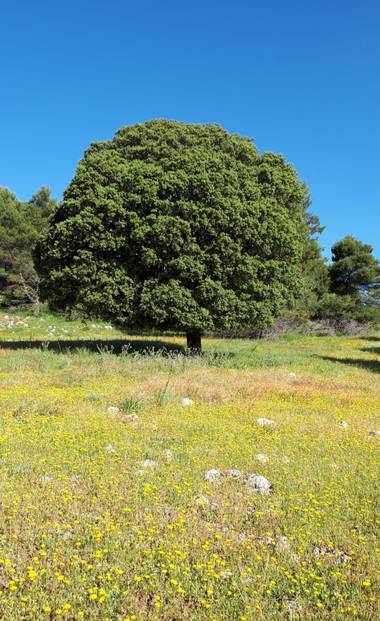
(213, 475)
(149, 463)
(187, 401)
(286, 459)
(130, 418)
(113, 410)
(265, 422)
(343, 424)
(266, 540)
(376, 432)
(146, 466)
(46, 479)
(226, 574)
(338, 555)
(261, 457)
(282, 543)
(202, 500)
(233, 474)
(292, 605)
(169, 455)
(259, 484)
(318, 551)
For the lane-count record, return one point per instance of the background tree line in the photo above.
(182, 226)
(22, 224)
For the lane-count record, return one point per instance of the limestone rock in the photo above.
(259, 484)
(265, 422)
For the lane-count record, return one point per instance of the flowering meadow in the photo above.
(125, 476)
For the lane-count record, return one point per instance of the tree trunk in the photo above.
(194, 342)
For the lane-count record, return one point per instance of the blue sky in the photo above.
(300, 78)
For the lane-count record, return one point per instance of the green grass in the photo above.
(88, 531)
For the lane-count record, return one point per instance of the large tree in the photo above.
(21, 224)
(177, 226)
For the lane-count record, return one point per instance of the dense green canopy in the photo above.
(177, 226)
(354, 270)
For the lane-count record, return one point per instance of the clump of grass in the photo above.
(132, 405)
(163, 395)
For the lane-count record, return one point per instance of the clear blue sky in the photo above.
(300, 78)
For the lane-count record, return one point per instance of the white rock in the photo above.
(286, 459)
(110, 448)
(375, 433)
(266, 540)
(259, 484)
(264, 422)
(46, 479)
(233, 473)
(187, 401)
(282, 543)
(317, 552)
(261, 457)
(202, 500)
(169, 455)
(113, 410)
(213, 475)
(343, 424)
(226, 573)
(292, 376)
(148, 463)
(292, 605)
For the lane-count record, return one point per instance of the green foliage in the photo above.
(351, 288)
(21, 224)
(334, 307)
(177, 226)
(354, 270)
(315, 272)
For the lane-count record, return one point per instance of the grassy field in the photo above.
(108, 515)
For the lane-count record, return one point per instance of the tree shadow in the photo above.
(371, 350)
(375, 339)
(112, 346)
(368, 365)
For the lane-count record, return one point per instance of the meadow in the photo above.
(126, 476)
